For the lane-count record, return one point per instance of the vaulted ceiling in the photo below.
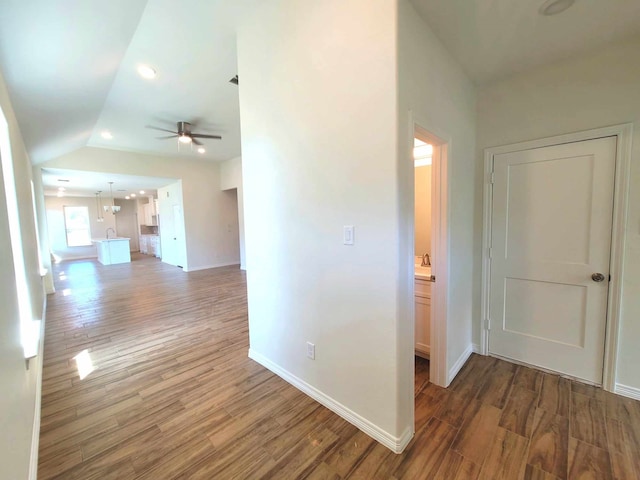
(70, 65)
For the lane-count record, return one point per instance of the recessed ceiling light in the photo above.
(133, 195)
(553, 7)
(201, 150)
(127, 197)
(60, 194)
(146, 71)
(141, 192)
(106, 134)
(61, 189)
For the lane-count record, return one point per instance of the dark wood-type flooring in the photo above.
(173, 395)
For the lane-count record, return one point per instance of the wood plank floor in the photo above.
(173, 395)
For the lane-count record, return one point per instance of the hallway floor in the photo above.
(170, 393)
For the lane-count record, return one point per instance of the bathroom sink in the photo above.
(422, 272)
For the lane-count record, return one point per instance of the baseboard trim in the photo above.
(462, 359)
(395, 444)
(207, 267)
(627, 391)
(475, 348)
(35, 434)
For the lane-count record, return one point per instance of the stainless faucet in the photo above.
(426, 260)
(114, 232)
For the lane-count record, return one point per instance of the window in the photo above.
(76, 222)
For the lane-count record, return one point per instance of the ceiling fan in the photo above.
(184, 134)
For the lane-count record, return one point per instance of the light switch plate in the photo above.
(348, 235)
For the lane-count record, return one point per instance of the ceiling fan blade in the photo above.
(168, 136)
(202, 135)
(161, 129)
(195, 141)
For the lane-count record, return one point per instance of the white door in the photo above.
(178, 235)
(550, 240)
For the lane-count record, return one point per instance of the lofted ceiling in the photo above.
(70, 65)
(71, 70)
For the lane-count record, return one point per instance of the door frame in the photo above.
(623, 133)
(438, 369)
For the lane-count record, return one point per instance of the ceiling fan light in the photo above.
(184, 139)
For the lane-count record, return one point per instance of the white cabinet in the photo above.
(144, 244)
(112, 251)
(150, 217)
(150, 245)
(154, 245)
(423, 317)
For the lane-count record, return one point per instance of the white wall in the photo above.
(57, 233)
(205, 209)
(422, 214)
(594, 91)
(442, 99)
(319, 122)
(230, 178)
(19, 385)
(127, 222)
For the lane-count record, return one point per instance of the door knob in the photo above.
(597, 277)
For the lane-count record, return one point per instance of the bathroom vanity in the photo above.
(422, 280)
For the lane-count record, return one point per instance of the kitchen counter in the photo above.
(113, 250)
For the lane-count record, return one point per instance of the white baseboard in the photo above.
(206, 267)
(625, 390)
(475, 348)
(35, 434)
(396, 444)
(462, 359)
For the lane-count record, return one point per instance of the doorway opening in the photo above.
(429, 260)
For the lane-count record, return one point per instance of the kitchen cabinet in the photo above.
(154, 245)
(150, 245)
(113, 250)
(144, 244)
(150, 217)
(422, 317)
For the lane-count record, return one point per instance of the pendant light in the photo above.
(113, 207)
(98, 205)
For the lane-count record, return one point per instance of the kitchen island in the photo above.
(113, 250)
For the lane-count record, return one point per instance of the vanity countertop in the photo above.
(422, 273)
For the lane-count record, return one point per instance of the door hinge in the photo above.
(490, 253)
(487, 324)
(492, 178)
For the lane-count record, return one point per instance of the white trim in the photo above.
(624, 132)
(35, 434)
(207, 267)
(462, 359)
(627, 391)
(442, 143)
(475, 348)
(616, 268)
(396, 444)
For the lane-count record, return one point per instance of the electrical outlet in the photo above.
(311, 351)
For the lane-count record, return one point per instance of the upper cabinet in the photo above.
(150, 215)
